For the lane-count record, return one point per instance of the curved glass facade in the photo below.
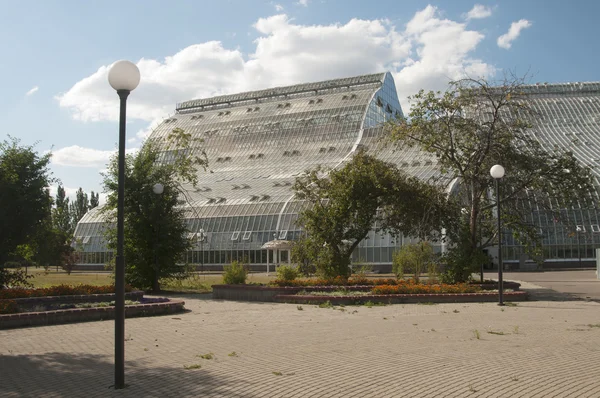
(258, 142)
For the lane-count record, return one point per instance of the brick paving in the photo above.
(537, 349)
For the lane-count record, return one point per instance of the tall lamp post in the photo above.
(124, 77)
(158, 189)
(201, 236)
(497, 172)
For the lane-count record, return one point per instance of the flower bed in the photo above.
(419, 288)
(29, 307)
(59, 290)
(401, 298)
(29, 319)
(378, 289)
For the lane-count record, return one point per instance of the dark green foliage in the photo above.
(473, 126)
(155, 226)
(235, 273)
(414, 259)
(24, 201)
(79, 207)
(94, 200)
(346, 203)
(14, 278)
(61, 218)
(287, 273)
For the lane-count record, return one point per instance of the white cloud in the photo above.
(426, 53)
(303, 3)
(32, 91)
(278, 7)
(77, 156)
(505, 41)
(479, 11)
(442, 54)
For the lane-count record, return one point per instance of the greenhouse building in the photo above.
(258, 142)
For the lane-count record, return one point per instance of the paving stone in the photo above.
(536, 349)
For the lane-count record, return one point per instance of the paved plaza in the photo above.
(534, 349)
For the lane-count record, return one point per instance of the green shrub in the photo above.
(14, 278)
(12, 264)
(413, 258)
(287, 273)
(235, 273)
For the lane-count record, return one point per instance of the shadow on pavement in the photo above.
(65, 375)
(545, 294)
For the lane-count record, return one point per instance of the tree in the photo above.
(94, 200)
(79, 207)
(345, 204)
(60, 214)
(24, 177)
(155, 225)
(473, 126)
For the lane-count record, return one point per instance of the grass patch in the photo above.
(53, 278)
(595, 325)
(232, 354)
(326, 304)
(299, 308)
(194, 366)
(476, 334)
(511, 304)
(494, 332)
(210, 355)
(277, 373)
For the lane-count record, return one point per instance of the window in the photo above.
(379, 102)
(247, 235)
(235, 235)
(86, 240)
(595, 228)
(283, 234)
(580, 228)
(319, 100)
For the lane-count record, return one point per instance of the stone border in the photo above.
(28, 319)
(274, 293)
(402, 298)
(31, 302)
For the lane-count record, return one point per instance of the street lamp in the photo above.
(124, 77)
(497, 172)
(158, 189)
(201, 236)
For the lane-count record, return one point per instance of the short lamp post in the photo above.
(497, 173)
(158, 189)
(201, 236)
(124, 77)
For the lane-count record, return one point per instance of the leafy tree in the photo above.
(415, 259)
(473, 126)
(345, 204)
(60, 214)
(155, 226)
(79, 207)
(24, 176)
(94, 200)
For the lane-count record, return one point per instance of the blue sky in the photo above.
(56, 54)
